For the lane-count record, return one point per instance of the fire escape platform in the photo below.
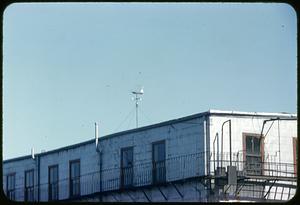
(278, 178)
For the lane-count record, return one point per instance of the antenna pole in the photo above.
(136, 112)
(137, 98)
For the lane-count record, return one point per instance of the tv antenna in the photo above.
(137, 98)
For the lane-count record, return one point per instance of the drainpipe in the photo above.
(99, 151)
(208, 139)
(216, 138)
(207, 152)
(279, 142)
(206, 144)
(230, 142)
(218, 151)
(100, 173)
(38, 168)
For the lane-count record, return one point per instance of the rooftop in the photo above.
(190, 117)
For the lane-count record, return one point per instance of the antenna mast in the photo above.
(137, 99)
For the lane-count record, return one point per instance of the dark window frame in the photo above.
(162, 163)
(261, 155)
(50, 184)
(129, 168)
(71, 194)
(11, 193)
(28, 190)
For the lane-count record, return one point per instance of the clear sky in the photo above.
(68, 65)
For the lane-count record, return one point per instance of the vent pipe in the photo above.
(96, 136)
(32, 153)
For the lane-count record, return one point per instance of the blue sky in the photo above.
(68, 65)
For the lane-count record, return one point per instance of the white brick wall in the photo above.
(240, 125)
(19, 168)
(181, 138)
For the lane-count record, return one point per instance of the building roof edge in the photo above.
(177, 120)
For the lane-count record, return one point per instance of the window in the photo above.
(158, 162)
(74, 178)
(126, 167)
(10, 186)
(29, 185)
(253, 154)
(53, 183)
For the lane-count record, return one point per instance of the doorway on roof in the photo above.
(126, 167)
(158, 162)
(253, 154)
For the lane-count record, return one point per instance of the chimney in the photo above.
(32, 153)
(96, 135)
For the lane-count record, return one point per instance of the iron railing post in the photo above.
(222, 141)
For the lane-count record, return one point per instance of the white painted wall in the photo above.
(182, 138)
(19, 168)
(88, 164)
(190, 137)
(241, 124)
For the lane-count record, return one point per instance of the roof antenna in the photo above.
(137, 98)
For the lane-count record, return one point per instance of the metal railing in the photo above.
(268, 166)
(148, 173)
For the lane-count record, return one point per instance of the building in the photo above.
(210, 156)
